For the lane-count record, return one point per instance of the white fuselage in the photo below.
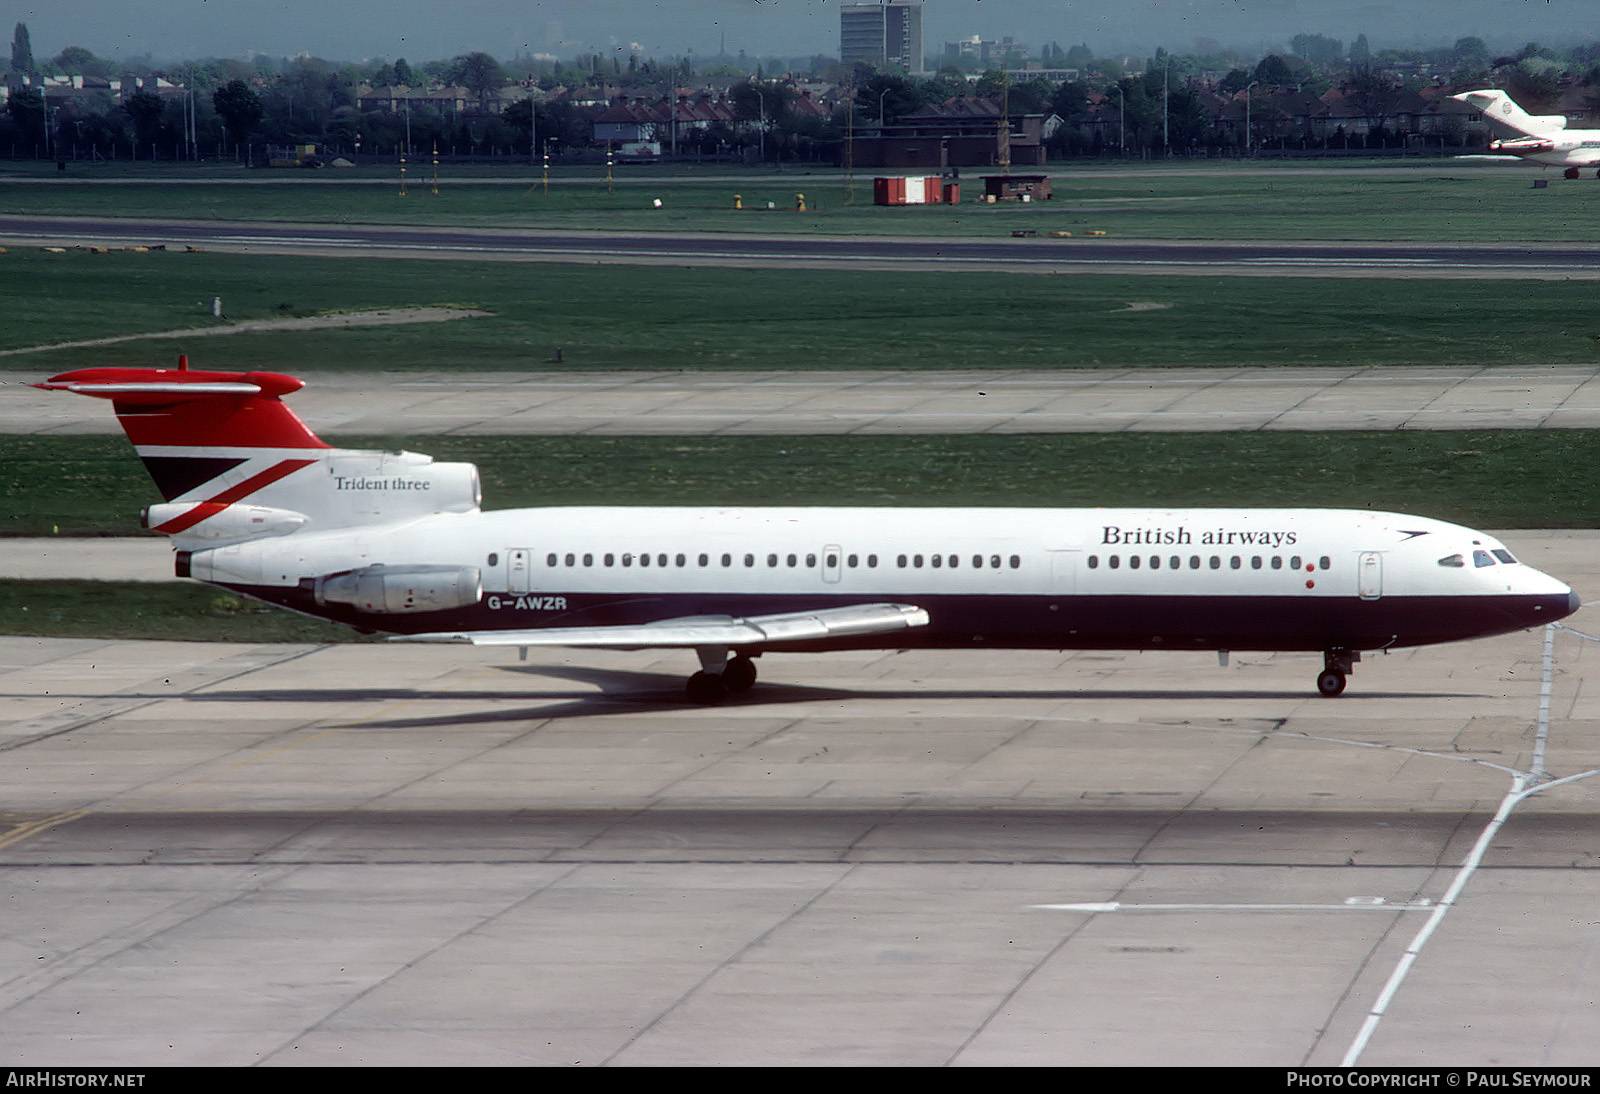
(1217, 578)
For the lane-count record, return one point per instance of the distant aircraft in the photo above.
(1541, 138)
(394, 542)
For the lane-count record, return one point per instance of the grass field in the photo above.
(1441, 200)
(135, 609)
(633, 317)
(1483, 478)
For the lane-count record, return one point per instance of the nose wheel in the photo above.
(1337, 664)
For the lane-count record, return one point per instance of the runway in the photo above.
(1035, 253)
(884, 402)
(285, 855)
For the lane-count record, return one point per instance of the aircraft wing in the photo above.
(702, 630)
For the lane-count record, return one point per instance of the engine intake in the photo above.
(398, 590)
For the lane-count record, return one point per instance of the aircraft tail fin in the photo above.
(1499, 109)
(233, 462)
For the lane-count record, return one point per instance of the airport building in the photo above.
(882, 34)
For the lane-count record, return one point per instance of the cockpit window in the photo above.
(1453, 561)
(1482, 558)
(1503, 555)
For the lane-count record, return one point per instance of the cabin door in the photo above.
(1064, 572)
(1370, 575)
(832, 563)
(517, 576)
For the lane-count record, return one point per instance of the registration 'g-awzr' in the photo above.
(396, 542)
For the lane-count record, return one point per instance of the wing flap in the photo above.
(702, 630)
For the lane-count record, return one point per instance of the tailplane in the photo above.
(1498, 109)
(234, 463)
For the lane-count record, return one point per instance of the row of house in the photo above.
(65, 90)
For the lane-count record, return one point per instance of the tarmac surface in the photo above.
(1001, 401)
(280, 855)
(1037, 252)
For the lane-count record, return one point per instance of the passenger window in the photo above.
(955, 560)
(1294, 562)
(627, 559)
(851, 562)
(994, 562)
(679, 561)
(1016, 562)
(1277, 562)
(1194, 562)
(1255, 562)
(1174, 563)
(936, 561)
(1453, 561)
(1482, 558)
(749, 560)
(1323, 562)
(900, 561)
(977, 562)
(811, 561)
(791, 561)
(588, 560)
(1155, 562)
(644, 559)
(916, 561)
(1216, 563)
(661, 560)
(772, 560)
(611, 560)
(1094, 562)
(1233, 563)
(1133, 562)
(494, 558)
(572, 560)
(872, 562)
(1114, 561)
(550, 559)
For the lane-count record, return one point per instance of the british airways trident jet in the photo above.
(396, 542)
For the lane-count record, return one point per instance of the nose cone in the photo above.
(1572, 603)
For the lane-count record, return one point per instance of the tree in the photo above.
(239, 107)
(1274, 71)
(1360, 54)
(1469, 55)
(145, 109)
(21, 50)
(478, 72)
(403, 76)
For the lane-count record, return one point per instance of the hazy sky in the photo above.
(422, 30)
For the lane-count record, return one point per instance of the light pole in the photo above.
(880, 110)
(762, 131)
(1122, 123)
(1247, 92)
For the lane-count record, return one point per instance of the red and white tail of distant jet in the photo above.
(395, 542)
(1542, 138)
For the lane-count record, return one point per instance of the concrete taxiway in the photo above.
(278, 855)
(999, 401)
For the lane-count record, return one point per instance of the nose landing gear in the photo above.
(1337, 664)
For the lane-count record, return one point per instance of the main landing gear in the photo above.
(720, 676)
(1337, 664)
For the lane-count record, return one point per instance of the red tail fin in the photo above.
(184, 408)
